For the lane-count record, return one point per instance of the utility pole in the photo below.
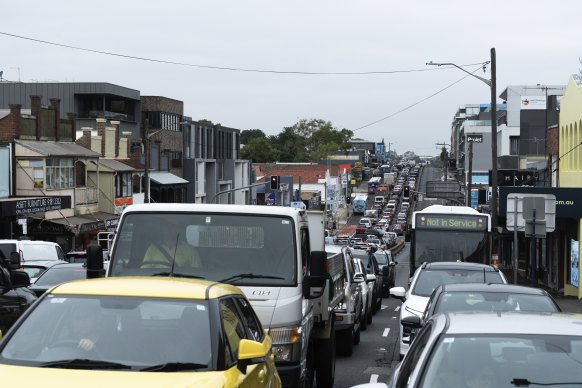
(492, 83)
(494, 149)
(147, 160)
(470, 175)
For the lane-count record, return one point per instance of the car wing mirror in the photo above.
(19, 279)
(359, 277)
(249, 353)
(398, 293)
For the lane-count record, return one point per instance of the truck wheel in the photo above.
(310, 368)
(363, 321)
(345, 342)
(325, 362)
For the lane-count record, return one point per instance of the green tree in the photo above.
(260, 150)
(249, 134)
(311, 140)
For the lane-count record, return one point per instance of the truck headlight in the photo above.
(287, 342)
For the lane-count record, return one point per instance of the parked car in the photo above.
(147, 332)
(349, 311)
(429, 276)
(500, 349)
(367, 290)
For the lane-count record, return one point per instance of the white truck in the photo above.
(275, 254)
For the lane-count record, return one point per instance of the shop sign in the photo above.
(19, 207)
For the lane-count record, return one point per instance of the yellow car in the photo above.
(139, 332)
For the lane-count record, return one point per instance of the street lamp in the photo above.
(492, 83)
(147, 136)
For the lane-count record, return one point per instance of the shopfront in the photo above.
(558, 254)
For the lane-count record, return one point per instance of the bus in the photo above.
(373, 184)
(359, 204)
(449, 233)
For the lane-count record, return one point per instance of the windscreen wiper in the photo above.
(249, 276)
(178, 275)
(174, 367)
(526, 383)
(81, 363)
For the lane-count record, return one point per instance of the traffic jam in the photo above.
(264, 296)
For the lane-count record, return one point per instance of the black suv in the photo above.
(372, 267)
(15, 297)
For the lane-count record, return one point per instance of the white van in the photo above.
(35, 256)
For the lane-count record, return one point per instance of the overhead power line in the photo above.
(416, 103)
(227, 68)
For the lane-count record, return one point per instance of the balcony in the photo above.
(86, 195)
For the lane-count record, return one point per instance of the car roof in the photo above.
(148, 286)
(436, 265)
(511, 322)
(492, 287)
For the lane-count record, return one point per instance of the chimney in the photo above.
(126, 136)
(71, 116)
(11, 129)
(85, 140)
(115, 124)
(35, 111)
(56, 106)
(101, 132)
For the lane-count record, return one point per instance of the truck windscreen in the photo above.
(210, 246)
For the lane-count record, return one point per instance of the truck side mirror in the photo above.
(317, 263)
(19, 279)
(95, 262)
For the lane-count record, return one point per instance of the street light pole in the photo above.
(492, 83)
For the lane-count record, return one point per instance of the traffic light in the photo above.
(274, 182)
(406, 191)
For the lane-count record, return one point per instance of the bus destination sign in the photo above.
(451, 222)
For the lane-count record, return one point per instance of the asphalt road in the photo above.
(377, 353)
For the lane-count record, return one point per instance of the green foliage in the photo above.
(260, 150)
(250, 134)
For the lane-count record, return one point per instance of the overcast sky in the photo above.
(537, 42)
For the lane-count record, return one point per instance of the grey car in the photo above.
(500, 349)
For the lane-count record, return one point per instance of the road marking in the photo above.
(386, 331)
(397, 308)
(374, 378)
(383, 307)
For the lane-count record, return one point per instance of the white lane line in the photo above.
(374, 379)
(397, 308)
(386, 331)
(383, 307)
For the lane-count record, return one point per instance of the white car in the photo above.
(366, 221)
(431, 275)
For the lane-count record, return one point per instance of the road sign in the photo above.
(515, 209)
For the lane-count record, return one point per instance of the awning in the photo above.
(88, 222)
(166, 178)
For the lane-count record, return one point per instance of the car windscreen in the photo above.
(429, 279)
(39, 252)
(494, 301)
(56, 275)
(494, 360)
(134, 332)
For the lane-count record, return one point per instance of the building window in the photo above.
(513, 145)
(60, 174)
(123, 184)
(175, 159)
(80, 174)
